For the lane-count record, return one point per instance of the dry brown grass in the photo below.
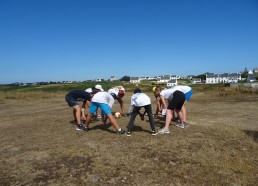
(7, 96)
(39, 146)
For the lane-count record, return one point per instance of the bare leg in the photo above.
(180, 115)
(77, 114)
(169, 116)
(88, 119)
(184, 113)
(113, 121)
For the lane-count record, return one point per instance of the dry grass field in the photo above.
(39, 145)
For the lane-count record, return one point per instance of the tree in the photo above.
(125, 78)
(202, 76)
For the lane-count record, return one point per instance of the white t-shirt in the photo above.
(168, 93)
(103, 97)
(140, 99)
(115, 90)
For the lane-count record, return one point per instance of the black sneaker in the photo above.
(120, 132)
(80, 127)
(86, 129)
(128, 133)
(154, 133)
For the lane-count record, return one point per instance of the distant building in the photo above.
(250, 78)
(255, 70)
(212, 78)
(164, 79)
(135, 80)
(112, 78)
(196, 80)
(222, 78)
(172, 82)
(98, 80)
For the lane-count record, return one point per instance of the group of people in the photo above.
(169, 102)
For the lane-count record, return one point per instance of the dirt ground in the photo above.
(39, 145)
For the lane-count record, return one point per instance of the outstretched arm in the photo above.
(120, 101)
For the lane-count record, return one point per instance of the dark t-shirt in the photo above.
(79, 95)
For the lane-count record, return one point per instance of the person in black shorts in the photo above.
(176, 104)
(73, 98)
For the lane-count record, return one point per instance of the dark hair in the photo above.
(94, 90)
(137, 90)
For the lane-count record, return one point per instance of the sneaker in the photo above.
(128, 133)
(186, 125)
(182, 125)
(120, 132)
(154, 133)
(164, 131)
(86, 129)
(80, 127)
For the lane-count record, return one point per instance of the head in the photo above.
(157, 90)
(121, 93)
(137, 90)
(89, 90)
(99, 87)
(94, 90)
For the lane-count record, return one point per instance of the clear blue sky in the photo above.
(60, 40)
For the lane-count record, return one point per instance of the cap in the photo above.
(89, 90)
(99, 87)
(137, 90)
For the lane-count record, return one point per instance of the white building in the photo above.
(172, 82)
(135, 80)
(112, 78)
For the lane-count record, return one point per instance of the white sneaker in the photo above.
(164, 131)
(182, 125)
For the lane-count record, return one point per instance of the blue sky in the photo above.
(61, 40)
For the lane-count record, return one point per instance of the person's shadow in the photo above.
(137, 128)
(102, 127)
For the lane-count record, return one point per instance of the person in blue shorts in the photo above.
(104, 101)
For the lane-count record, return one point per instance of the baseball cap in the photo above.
(137, 90)
(99, 87)
(89, 90)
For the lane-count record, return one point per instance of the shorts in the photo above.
(71, 101)
(103, 106)
(177, 101)
(188, 95)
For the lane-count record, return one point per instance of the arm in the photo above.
(120, 101)
(83, 109)
(164, 105)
